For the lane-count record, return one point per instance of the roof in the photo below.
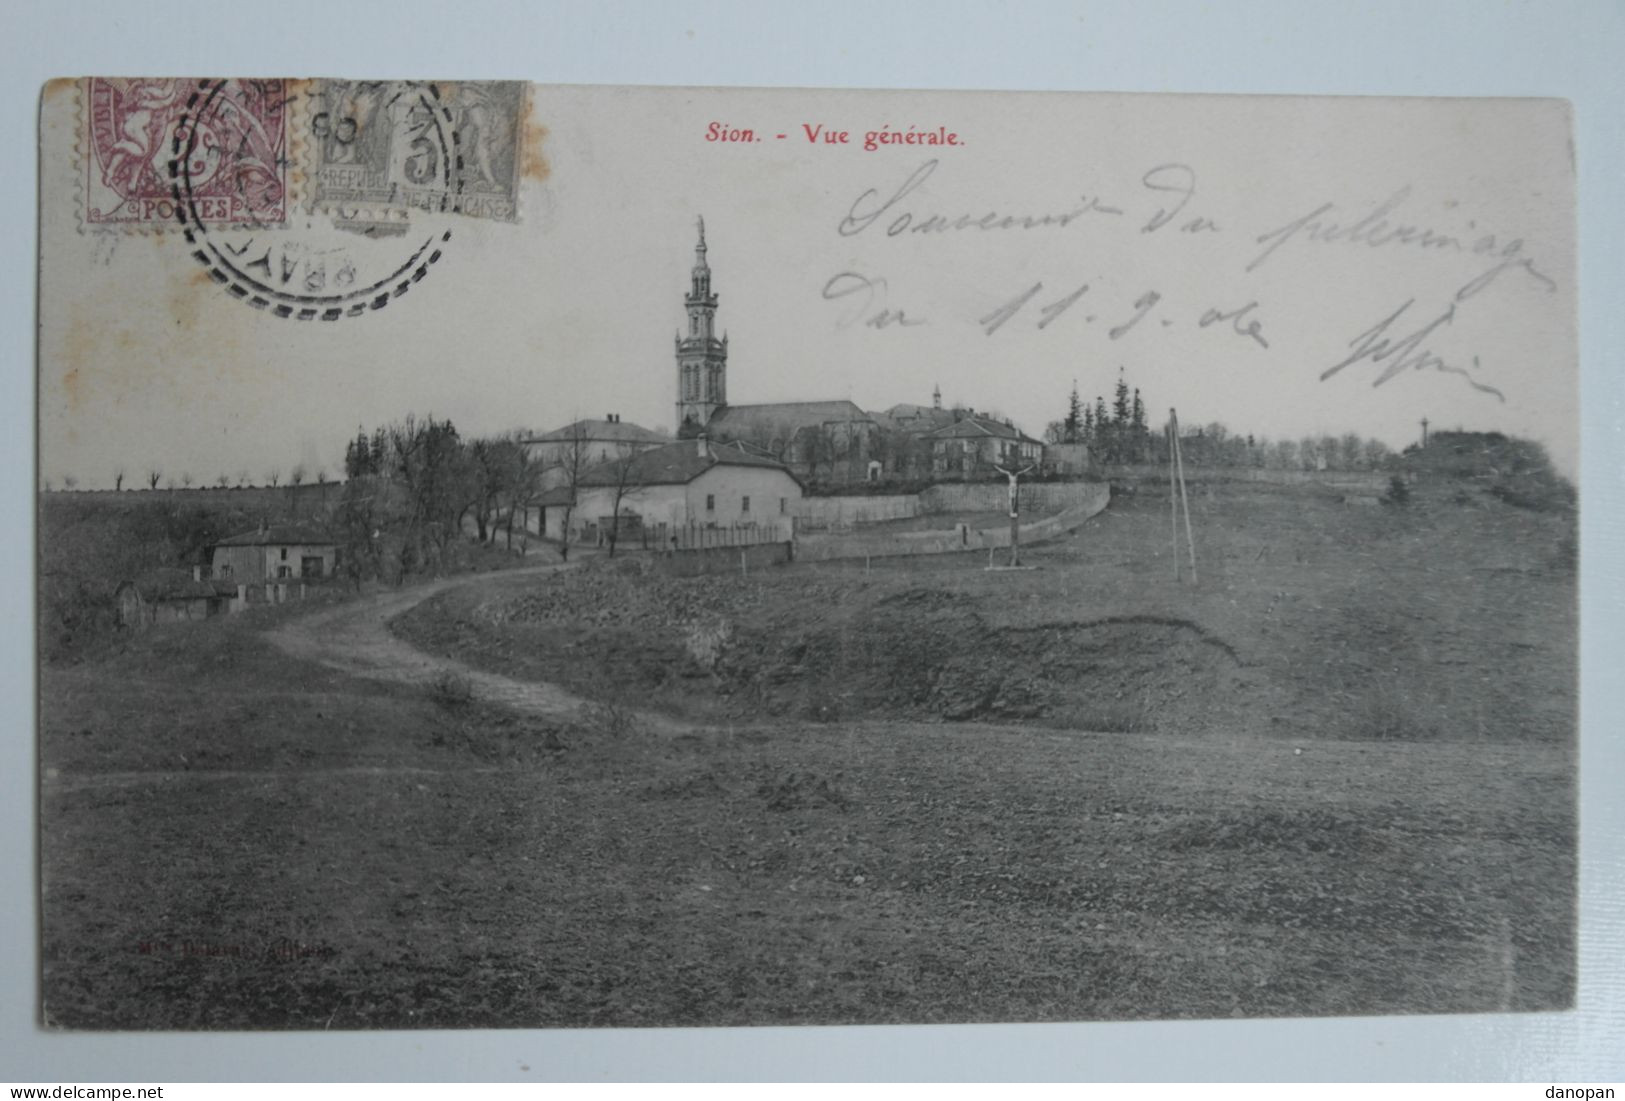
(675, 464)
(558, 495)
(600, 430)
(979, 427)
(907, 410)
(173, 583)
(280, 535)
(740, 420)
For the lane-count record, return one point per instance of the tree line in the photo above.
(1114, 434)
(1118, 434)
(412, 486)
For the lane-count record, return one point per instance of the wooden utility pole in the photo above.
(1015, 510)
(1173, 494)
(1176, 468)
(1424, 432)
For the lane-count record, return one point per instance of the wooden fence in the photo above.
(684, 537)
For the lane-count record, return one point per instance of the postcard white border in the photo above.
(1392, 47)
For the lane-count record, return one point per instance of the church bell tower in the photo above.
(702, 359)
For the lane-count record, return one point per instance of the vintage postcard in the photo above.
(520, 556)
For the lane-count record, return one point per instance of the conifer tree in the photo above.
(358, 456)
(1073, 424)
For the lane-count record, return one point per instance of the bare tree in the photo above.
(221, 480)
(1376, 454)
(523, 475)
(572, 464)
(428, 460)
(186, 480)
(818, 446)
(1350, 451)
(359, 522)
(898, 450)
(274, 478)
(69, 481)
(296, 478)
(624, 480)
(487, 458)
(118, 481)
(152, 477)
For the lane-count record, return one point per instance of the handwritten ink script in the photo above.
(1166, 201)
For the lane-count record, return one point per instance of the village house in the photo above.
(586, 443)
(694, 483)
(919, 419)
(277, 552)
(975, 444)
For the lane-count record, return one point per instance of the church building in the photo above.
(831, 438)
(702, 358)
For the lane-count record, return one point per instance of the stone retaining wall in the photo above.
(1088, 500)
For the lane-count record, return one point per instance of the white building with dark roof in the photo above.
(695, 483)
(597, 441)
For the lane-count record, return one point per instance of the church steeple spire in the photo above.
(702, 270)
(701, 358)
(701, 303)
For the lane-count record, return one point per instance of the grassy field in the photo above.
(1336, 777)
(1313, 619)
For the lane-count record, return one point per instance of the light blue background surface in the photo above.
(1574, 50)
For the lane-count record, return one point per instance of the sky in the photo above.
(1282, 265)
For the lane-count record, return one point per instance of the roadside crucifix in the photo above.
(1015, 508)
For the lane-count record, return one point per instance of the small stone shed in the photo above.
(172, 595)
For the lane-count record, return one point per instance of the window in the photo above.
(783, 506)
(744, 504)
(284, 554)
(710, 502)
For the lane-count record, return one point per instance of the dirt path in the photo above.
(355, 638)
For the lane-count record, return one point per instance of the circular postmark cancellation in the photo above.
(377, 150)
